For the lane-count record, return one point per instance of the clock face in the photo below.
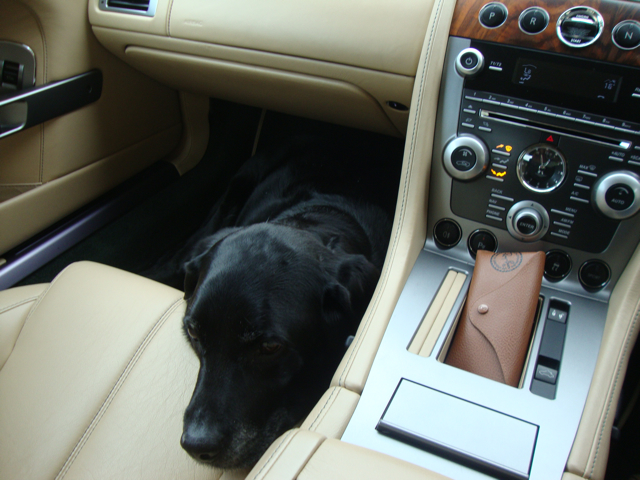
(541, 168)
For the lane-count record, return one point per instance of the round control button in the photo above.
(619, 196)
(626, 35)
(533, 20)
(594, 274)
(463, 159)
(557, 265)
(469, 62)
(482, 240)
(447, 233)
(527, 222)
(579, 27)
(493, 14)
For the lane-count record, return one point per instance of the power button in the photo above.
(469, 62)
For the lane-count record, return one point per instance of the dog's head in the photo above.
(269, 310)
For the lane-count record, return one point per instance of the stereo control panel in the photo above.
(558, 170)
(539, 151)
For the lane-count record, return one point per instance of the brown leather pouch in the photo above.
(493, 334)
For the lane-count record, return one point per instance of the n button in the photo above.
(626, 35)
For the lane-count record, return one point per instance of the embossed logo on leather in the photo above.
(506, 262)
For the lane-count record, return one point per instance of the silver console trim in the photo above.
(557, 419)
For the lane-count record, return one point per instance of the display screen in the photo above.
(568, 80)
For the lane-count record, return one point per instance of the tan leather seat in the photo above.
(95, 375)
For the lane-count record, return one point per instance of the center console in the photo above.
(534, 151)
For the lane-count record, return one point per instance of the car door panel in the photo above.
(83, 154)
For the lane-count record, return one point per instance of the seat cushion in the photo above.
(97, 382)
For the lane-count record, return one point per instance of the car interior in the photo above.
(513, 127)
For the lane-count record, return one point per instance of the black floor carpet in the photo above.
(162, 222)
(138, 238)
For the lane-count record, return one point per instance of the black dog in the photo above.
(275, 282)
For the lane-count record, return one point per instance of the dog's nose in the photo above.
(202, 444)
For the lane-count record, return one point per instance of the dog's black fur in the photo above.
(275, 282)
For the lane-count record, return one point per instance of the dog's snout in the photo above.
(202, 444)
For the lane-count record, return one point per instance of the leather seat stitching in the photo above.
(285, 440)
(326, 404)
(19, 304)
(116, 388)
(615, 383)
(402, 210)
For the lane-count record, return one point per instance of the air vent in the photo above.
(136, 7)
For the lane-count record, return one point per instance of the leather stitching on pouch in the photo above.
(359, 338)
(116, 388)
(615, 383)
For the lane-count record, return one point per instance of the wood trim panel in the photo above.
(466, 24)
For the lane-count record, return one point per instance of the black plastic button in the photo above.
(527, 224)
(594, 274)
(552, 341)
(482, 240)
(493, 15)
(534, 20)
(619, 196)
(558, 311)
(546, 374)
(447, 233)
(557, 265)
(550, 138)
(463, 159)
(469, 60)
(626, 35)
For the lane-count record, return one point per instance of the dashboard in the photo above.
(536, 148)
(533, 145)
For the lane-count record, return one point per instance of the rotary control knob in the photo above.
(465, 157)
(527, 221)
(469, 62)
(579, 27)
(617, 194)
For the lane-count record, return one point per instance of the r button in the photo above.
(533, 20)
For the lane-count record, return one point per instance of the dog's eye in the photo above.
(270, 348)
(193, 333)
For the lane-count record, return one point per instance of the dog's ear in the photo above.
(336, 302)
(349, 294)
(199, 262)
(192, 276)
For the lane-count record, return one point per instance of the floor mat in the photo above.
(136, 240)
